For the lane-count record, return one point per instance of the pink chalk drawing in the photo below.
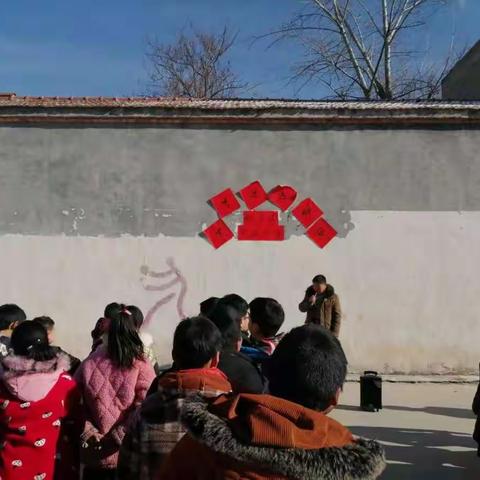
(171, 278)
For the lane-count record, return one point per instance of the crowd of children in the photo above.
(241, 400)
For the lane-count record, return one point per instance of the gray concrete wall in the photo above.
(86, 213)
(101, 181)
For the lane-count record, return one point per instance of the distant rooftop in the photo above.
(463, 81)
(166, 110)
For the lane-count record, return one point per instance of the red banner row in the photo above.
(263, 225)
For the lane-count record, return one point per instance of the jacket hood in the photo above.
(329, 292)
(173, 385)
(282, 437)
(31, 380)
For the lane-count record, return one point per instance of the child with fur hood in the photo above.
(39, 410)
(285, 435)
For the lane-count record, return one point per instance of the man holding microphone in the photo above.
(322, 305)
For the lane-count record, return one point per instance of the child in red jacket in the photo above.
(38, 405)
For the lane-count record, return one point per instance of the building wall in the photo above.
(463, 81)
(86, 214)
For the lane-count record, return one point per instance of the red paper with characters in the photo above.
(225, 203)
(321, 233)
(307, 212)
(253, 195)
(218, 233)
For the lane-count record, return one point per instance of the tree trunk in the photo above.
(387, 52)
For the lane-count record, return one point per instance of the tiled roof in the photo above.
(182, 111)
(12, 100)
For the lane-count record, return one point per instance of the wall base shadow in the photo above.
(443, 411)
(426, 454)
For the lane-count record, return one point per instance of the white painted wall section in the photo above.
(408, 282)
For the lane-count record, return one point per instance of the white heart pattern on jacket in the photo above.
(4, 404)
(47, 414)
(40, 442)
(17, 463)
(25, 405)
(22, 429)
(56, 423)
(40, 476)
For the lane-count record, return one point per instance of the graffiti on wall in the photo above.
(170, 282)
(264, 225)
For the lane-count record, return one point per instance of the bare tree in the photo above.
(366, 49)
(194, 66)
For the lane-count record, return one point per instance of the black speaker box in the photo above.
(370, 391)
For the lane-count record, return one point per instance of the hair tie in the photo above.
(37, 341)
(124, 309)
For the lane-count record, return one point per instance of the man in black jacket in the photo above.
(242, 372)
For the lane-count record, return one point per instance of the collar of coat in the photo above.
(363, 460)
(164, 404)
(14, 365)
(328, 293)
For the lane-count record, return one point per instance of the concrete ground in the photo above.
(425, 428)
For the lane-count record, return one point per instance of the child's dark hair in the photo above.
(268, 314)
(237, 302)
(137, 316)
(124, 344)
(30, 339)
(10, 315)
(227, 320)
(46, 322)
(208, 305)
(307, 367)
(196, 341)
(111, 309)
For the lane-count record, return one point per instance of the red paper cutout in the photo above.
(218, 233)
(261, 226)
(225, 203)
(253, 195)
(282, 196)
(321, 232)
(307, 212)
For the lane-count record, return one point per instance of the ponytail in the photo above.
(124, 344)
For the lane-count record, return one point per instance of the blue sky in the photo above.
(87, 47)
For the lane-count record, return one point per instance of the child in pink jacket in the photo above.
(113, 380)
